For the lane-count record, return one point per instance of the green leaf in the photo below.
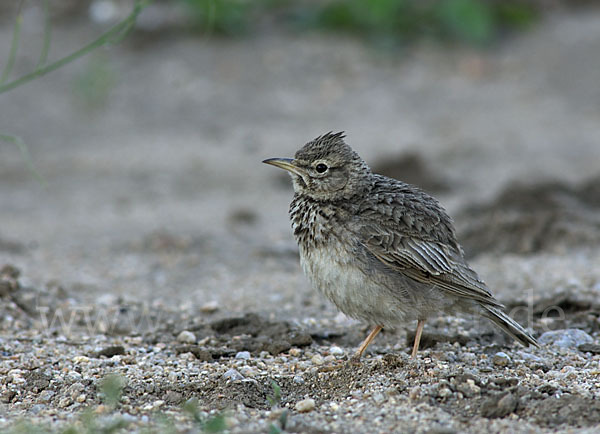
(469, 20)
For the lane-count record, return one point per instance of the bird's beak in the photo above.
(286, 164)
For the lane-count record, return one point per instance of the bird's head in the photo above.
(326, 169)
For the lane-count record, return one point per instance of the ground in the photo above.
(156, 217)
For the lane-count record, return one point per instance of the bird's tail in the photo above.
(509, 325)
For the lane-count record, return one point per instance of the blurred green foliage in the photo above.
(222, 16)
(477, 22)
(111, 389)
(93, 84)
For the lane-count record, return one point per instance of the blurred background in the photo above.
(143, 179)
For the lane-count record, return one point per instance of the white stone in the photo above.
(244, 355)
(501, 359)
(186, 337)
(336, 351)
(232, 374)
(210, 307)
(317, 359)
(305, 405)
(569, 338)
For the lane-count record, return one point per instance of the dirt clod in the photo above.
(500, 405)
(532, 218)
(113, 350)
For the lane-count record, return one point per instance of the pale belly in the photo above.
(337, 275)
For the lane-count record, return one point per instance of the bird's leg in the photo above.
(420, 324)
(356, 357)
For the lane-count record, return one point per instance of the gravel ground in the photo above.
(159, 247)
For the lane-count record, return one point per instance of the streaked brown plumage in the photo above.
(381, 250)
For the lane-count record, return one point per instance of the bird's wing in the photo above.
(410, 232)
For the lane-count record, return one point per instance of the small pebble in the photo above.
(244, 355)
(501, 359)
(317, 359)
(232, 374)
(444, 392)
(378, 397)
(305, 405)
(336, 351)
(298, 379)
(210, 307)
(415, 393)
(568, 338)
(65, 402)
(186, 337)
(295, 352)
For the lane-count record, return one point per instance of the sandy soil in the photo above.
(156, 217)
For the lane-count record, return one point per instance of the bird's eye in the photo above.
(321, 168)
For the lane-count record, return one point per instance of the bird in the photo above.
(381, 250)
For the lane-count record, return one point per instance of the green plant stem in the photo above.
(47, 36)
(25, 154)
(117, 30)
(14, 45)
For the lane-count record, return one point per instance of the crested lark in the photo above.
(381, 250)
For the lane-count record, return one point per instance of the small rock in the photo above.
(74, 375)
(317, 359)
(589, 348)
(378, 397)
(329, 359)
(65, 402)
(186, 337)
(568, 338)
(444, 392)
(7, 396)
(278, 346)
(210, 307)
(248, 371)
(233, 375)
(469, 388)
(501, 359)
(336, 351)
(46, 395)
(199, 352)
(113, 350)
(415, 393)
(75, 389)
(37, 408)
(295, 352)
(548, 388)
(244, 355)
(300, 339)
(173, 398)
(305, 405)
(499, 406)
(298, 379)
